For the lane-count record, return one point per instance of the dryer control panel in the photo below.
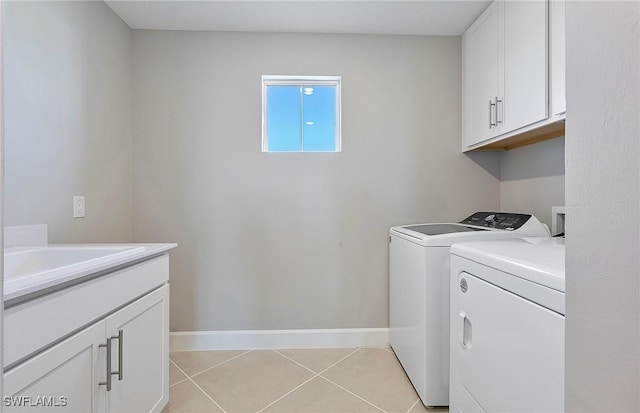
(498, 220)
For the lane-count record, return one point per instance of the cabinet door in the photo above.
(557, 56)
(525, 65)
(481, 70)
(141, 356)
(64, 378)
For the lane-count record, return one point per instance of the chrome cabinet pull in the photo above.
(498, 101)
(490, 123)
(109, 373)
(492, 105)
(120, 346)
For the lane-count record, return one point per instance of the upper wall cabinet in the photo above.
(482, 61)
(513, 75)
(556, 55)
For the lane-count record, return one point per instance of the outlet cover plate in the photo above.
(78, 207)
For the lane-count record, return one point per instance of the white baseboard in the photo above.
(278, 339)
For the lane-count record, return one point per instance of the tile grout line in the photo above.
(295, 388)
(185, 376)
(190, 378)
(292, 360)
(352, 393)
(315, 375)
(207, 394)
(287, 393)
(178, 367)
(321, 376)
(341, 360)
(219, 364)
(199, 388)
(321, 371)
(390, 350)
(413, 405)
(178, 382)
(342, 388)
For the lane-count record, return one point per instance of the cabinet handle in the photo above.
(120, 346)
(498, 101)
(490, 114)
(108, 382)
(492, 105)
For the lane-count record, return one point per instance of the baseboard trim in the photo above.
(278, 339)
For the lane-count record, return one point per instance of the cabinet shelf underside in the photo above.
(549, 131)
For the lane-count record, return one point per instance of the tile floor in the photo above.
(297, 381)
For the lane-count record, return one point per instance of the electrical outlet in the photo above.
(78, 207)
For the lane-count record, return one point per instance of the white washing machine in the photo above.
(507, 326)
(419, 292)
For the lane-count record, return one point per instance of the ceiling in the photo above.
(416, 17)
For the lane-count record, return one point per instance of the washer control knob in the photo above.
(490, 218)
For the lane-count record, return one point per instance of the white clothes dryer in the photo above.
(419, 292)
(507, 326)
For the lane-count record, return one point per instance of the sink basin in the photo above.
(33, 272)
(37, 261)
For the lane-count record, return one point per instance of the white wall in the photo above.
(279, 241)
(602, 367)
(68, 122)
(532, 179)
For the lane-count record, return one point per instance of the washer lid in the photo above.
(538, 260)
(436, 229)
(446, 234)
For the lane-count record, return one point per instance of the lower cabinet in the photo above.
(74, 375)
(64, 378)
(142, 360)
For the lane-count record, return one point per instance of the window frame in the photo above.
(286, 80)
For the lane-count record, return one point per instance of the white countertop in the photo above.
(37, 282)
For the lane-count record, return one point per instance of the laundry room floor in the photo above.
(300, 381)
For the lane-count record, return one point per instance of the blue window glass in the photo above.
(283, 118)
(301, 114)
(319, 118)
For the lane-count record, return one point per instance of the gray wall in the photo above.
(68, 119)
(602, 366)
(266, 240)
(279, 241)
(532, 179)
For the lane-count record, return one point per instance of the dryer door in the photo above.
(510, 351)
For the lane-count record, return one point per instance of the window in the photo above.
(301, 113)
